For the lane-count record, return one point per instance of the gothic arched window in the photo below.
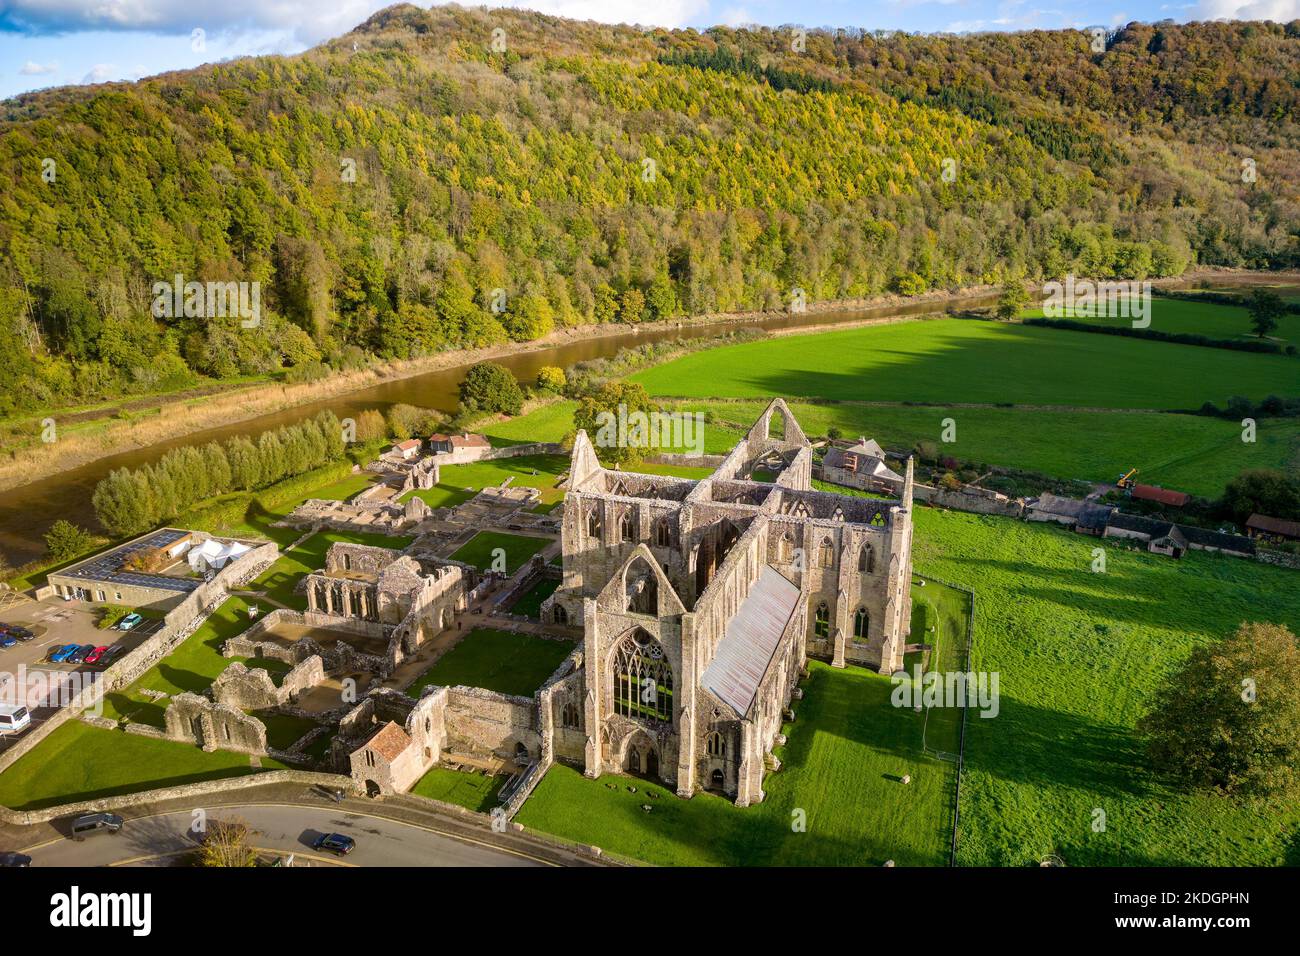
(786, 551)
(826, 554)
(569, 716)
(663, 533)
(593, 523)
(714, 745)
(625, 526)
(822, 621)
(866, 559)
(643, 678)
(861, 623)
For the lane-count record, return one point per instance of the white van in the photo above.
(13, 719)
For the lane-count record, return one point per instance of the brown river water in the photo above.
(28, 511)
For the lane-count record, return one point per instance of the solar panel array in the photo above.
(107, 567)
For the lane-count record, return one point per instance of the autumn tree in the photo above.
(1228, 720)
(489, 387)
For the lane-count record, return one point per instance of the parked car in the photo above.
(7, 640)
(14, 630)
(62, 653)
(110, 655)
(97, 655)
(13, 718)
(335, 843)
(128, 622)
(88, 824)
(79, 655)
(15, 859)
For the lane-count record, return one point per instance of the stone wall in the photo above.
(196, 792)
(213, 726)
(485, 723)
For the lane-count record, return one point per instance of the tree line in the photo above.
(130, 501)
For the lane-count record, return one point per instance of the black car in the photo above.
(15, 859)
(335, 843)
(79, 655)
(110, 655)
(13, 630)
(88, 824)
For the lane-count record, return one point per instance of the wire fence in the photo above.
(963, 664)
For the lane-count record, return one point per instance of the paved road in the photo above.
(156, 840)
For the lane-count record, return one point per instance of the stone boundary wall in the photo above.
(975, 500)
(178, 624)
(465, 456)
(1281, 559)
(197, 791)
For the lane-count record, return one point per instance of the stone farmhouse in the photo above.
(700, 600)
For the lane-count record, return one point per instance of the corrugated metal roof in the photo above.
(751, 640)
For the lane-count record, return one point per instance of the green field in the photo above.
(1078, 656)
(191, 667)
(279, 580)
(529, 603)
(503, 661)
(1192, 453)
(956, 360)
(459, 483)
(473, 791)
(518, 548)
(847, 752)
(547, 423)
(79, 762)
(1195, 318)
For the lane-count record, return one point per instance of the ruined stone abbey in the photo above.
(700, 600)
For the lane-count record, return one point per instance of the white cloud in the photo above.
(101, 73)
(38, 69)
(1281, 11)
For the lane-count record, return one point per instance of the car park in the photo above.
(17, 631)
(62, 653)
(336, 843)
(79, 655)
(111, 654)
(128, 622)
(89, 824)
(97, 655)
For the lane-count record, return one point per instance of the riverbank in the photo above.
(84, 437)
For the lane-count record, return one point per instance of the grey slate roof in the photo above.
(751, 641)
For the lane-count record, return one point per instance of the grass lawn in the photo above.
(1078, 655)
(956, 360)
(1189, 452)
(279, 580)
(546, 423)
(529, 603)
(847, 750)
(284, 730)
(518, 548)
(503, 661)
(79, 762)
(191, 667)
(459, 483)
(473, 791)
(1197, 318)
(342, 490)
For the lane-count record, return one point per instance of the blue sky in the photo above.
(55, 42)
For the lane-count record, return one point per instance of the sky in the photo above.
(57, 42)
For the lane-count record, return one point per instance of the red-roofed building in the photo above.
(1164, 496)
(445, 443)
(406, 450)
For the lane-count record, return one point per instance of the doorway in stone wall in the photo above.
(372, 789)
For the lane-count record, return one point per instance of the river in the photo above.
(27, 512)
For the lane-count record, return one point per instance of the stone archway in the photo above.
(373, 789)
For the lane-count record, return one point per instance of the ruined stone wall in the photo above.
(213, 726)
(483, 723)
